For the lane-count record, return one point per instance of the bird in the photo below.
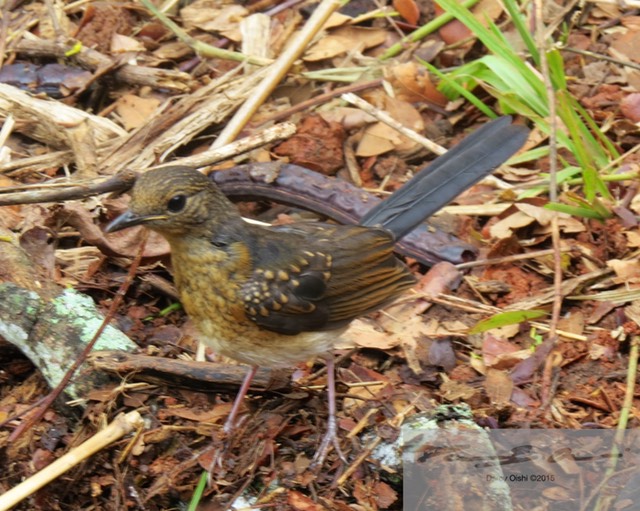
(275, 296)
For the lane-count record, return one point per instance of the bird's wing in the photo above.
(301, 281)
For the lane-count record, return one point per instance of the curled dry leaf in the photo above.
(455, 31)
(349, 117)
(403, 320)
(626, 270)
(411, 82)
(345, 40)
(207, 15)
(498, 353)
(506, 227)
(380, 138)
(527, 214)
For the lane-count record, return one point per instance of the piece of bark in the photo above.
(52, 332)
(175, 81)
(200, 376)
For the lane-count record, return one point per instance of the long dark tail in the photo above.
(448, 176)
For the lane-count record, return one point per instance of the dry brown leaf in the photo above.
(415, 344)
(407, 115)
(500, 353)
(135, 111)
(478, 365)
(412, 83)
(625, 271)
(364, 334)
(384, 494)
(122, 44)
(452, 328)
(506, 227)
(327, 47)
(364, 392)
(505, 332)
(454, 390)
(625, 45)
(349, 117)
(408, 9)
(441, 278)
(215, 414)
(207, 15)
(541, 215)
(630, 107)
(572, 322)
(378, 139)
(337, 19)
(345, 40)
(558, 493)
(499, 386)
(300, 502)
(633, 238)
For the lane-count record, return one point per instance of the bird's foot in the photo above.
(330, 439)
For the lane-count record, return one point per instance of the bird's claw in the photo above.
(330, 438)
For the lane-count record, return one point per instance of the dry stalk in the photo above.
(276, 71)
(121, 425)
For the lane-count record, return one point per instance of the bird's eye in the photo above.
(176, 203)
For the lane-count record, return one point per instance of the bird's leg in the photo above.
(331, 436)
(231, 420)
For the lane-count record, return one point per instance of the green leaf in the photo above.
(576, 211)
(198, 492)
(506, 318)
(459, 90)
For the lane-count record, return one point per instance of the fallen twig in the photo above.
(121, 425)
(276, 71)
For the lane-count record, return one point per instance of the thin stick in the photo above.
(246, 144)
(512, 258)
(60, 191)
(423, 31)
(199, 47)
(390, 121)
(594, 55)
(319, 100)
(541, 41)
(121, 425)
(276, 72)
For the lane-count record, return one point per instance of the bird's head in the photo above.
(174, 201)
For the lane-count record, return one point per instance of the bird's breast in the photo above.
(209, 283)
(209, 286)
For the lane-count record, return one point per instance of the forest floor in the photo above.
(90, 90)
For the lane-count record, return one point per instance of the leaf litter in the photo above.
(404, 360)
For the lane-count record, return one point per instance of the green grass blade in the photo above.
(505, 319)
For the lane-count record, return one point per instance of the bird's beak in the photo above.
(129, 219)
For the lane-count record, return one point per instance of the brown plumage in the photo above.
(274, 296)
